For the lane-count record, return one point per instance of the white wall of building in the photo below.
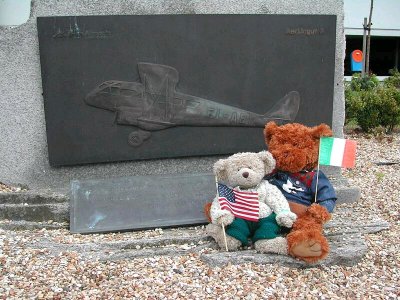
(385, 17)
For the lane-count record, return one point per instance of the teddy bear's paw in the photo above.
(309, 249)
(277, 245)
(216, 232)
(286, 219)
(212, 229)
(226, 219)
(232, 243)
(319, 213)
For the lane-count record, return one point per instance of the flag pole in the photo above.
(316, 185)
(226, 243)
(223, 227)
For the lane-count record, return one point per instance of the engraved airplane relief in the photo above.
(154, 104)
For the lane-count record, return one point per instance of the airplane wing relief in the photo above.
(158, 79)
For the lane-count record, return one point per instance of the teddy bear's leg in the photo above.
(268, 228)
(308, 245)
(216, 232)
(277, 245)
(240, 229)
(266, 238)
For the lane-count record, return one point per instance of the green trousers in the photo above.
(265, 228)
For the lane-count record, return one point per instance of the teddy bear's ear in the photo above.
(269, 161)
(220, 170)
(321, 130)
(269, 130)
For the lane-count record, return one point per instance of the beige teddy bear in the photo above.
(244, 172)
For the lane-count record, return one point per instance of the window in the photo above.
(384, 55)
(114, 90)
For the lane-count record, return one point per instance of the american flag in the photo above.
(241, 204)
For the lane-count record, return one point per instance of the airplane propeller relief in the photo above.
(154, 104)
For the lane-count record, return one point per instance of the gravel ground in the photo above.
(29, 273)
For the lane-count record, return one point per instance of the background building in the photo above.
(385, 33)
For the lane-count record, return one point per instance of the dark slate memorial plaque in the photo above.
(139, 202)
(140, 87)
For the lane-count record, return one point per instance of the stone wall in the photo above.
(23, 146)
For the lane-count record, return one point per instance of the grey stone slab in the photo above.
(57, 212)
(34, 206)
(139, 202)
(23, 143)
(348, 247)
(34, 197)
(345, 237)
(169, 244)
(347, 254)
(345, 192)
(29, 225)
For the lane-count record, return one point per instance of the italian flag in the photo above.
(337, 152)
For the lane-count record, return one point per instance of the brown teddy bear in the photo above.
(295, 148)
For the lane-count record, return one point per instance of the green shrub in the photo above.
(394, 79)
(353, 105)
(371, 104)
(359, 83)
(368, 110)
(389, 107)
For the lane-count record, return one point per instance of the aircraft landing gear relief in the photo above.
(137, 137)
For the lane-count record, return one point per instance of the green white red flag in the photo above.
(337, 152)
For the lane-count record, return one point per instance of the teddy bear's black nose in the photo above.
(245, 174)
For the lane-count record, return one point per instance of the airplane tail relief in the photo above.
(285, 109)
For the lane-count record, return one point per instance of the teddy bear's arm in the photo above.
(279, 205)
(220, 216)
(326, 195)
(274, 198)
(265, 210)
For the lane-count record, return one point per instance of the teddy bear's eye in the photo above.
(250, 167)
